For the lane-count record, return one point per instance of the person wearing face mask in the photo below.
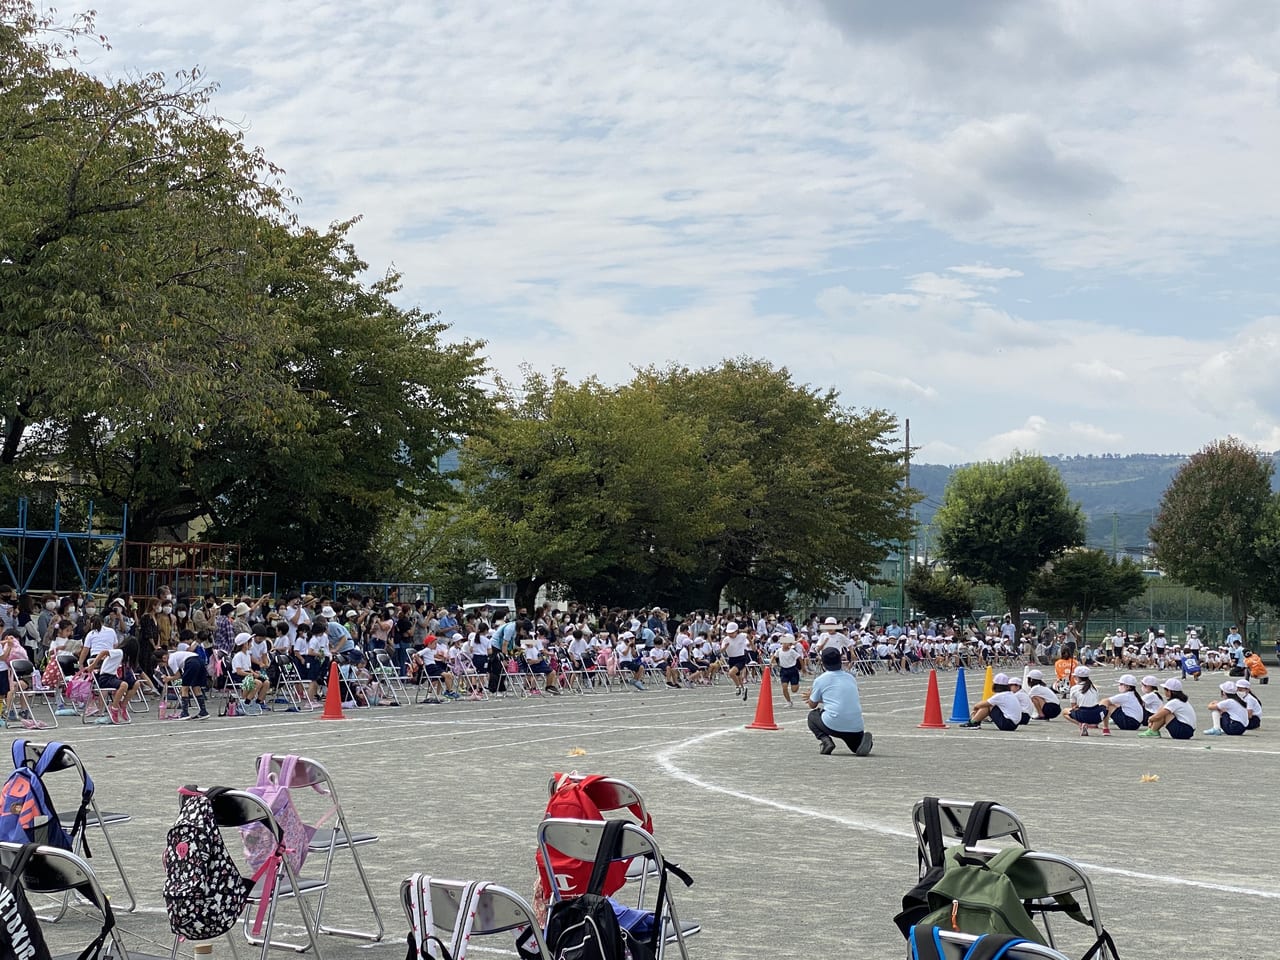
(48, 615)
(148, 640)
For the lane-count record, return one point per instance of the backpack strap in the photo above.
(610, 839)
(1003, 860)
(975, 828)
(94, 949)
(925, 943)
(932, 835)
(1104, 940)
(264, 770)
(992, 946)
(19, 751)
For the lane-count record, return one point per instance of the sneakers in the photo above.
(554, 691)
(182, 716)
(1106, 731)
(744, 693)
(104, 720)
(864, 748)
(65, 712)
(476, 695)
(637, 684)
(828, 747)
(971, 725)
(452, 695)
(1084, 731)
(202, 715)
(1149, 733)
(1213, 732)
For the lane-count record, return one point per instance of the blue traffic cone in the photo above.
(960, 705)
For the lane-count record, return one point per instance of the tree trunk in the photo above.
(527, 592)
(14, 427)
(1015, 608)
(716, 583)
(1240, 610)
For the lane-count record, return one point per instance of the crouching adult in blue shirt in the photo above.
(835, 708)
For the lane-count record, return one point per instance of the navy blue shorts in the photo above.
(540, 666)
(1051, 711)
(434, 669)
(1179, 730)
(1124, 721)
(1254, 723)
(1089, 715)
(194, 673)
(481, 662)
(1232, 728)
(1002, 722)
(738, 662)
(789, 675)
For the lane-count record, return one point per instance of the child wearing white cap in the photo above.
(1229, 713)
(1244, 689)
(1085, 702)
(1151, 698)
(1176, 715)
(787, 659)
(1125, 708)
(1043, 697)
(1003, 708)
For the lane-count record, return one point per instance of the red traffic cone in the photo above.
(333, 696)
(933, 705)
(764, 705)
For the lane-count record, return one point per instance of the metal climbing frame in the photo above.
(57, 538)
(193, 569)
(384, 592)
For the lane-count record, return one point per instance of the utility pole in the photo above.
(902, 546)
(1115, 535)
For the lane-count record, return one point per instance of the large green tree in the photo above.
(583, 485)
(806, 493)
(182, 344)
(938, 592)
(1082, 582)
(1214, 527)
(1000, 522)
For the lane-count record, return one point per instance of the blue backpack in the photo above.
(26, 812)
(926, 944)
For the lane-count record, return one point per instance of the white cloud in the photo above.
(981, 271)
(601, 187)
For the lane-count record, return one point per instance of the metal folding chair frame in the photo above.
(580, 839)
(312, 775)
(955, 945)
(68, 759)
(462, 909)
(54, 871)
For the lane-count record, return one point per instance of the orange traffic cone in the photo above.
(333, 696)
(933, 705)
(764, 706)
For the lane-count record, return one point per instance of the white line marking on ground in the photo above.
(668, 765)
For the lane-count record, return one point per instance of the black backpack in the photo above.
(915, 902)
(587, 928)
(20, 935)
(204, 891)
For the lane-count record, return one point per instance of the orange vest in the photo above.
(1256, 667)
(1064, 668)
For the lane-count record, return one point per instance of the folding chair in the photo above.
(292, 686)
(1000, 822)
(455, 911)
(387, 675)
(238, 808)
(1050, 884)
(580, 839)
(953, 946)
(55, 871)
(328, 840)
(24, 672)
(66, 758)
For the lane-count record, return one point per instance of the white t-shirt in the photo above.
(100, 641)
(1254, 704)
(1024, 698)
(1152, 701)
(1181, 710)
(1084, 698)
(318, 645)
(177, 659)
(736, 646)
(788, 656)
(242, 662)
(1233, 709)
(110, 667)
(1129, 703)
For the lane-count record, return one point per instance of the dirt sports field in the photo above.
(793, 854)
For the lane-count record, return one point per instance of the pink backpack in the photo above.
(273, 789)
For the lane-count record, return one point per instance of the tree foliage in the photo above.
(683, 483)
(938, 592)
(1216, 529)
(1082, 582)
(1000, 522)
(181, 343)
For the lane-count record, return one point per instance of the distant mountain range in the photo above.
(1120, 494)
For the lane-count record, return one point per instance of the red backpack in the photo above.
(572, 800)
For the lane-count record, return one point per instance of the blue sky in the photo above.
(1048, 226)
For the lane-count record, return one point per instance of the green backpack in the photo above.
(978, 896)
